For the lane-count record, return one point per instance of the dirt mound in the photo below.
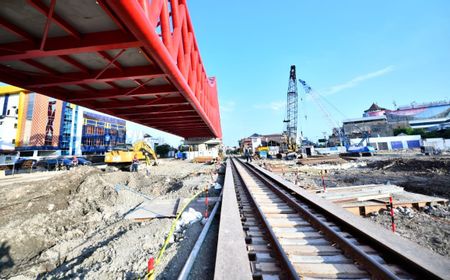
(72, 224)
(439, 165)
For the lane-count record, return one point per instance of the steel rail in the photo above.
(278, 249)
(350, 249)
(407, 264)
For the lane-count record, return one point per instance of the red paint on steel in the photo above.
(183, 75)
(42, 8)
(47, 24)
(66, 45)
(153, 74)
(111, 62)
(16, 30)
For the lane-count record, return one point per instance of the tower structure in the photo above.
(292, 108)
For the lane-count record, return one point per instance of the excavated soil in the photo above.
(429, 227)
(71, 225)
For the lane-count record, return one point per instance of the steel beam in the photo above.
(195, 119)
(152, 114)
(176, 124)
(40, 66)
(160, 117)
(43, 9)
(159, 110)
(108, 75)
(92, 42)
(117, 93)
(140, 103)
(16, 30)
(137, 22)
(83, 68)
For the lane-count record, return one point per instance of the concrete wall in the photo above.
(330, 150)
(437, 143)
(209, 153)
(393, 142)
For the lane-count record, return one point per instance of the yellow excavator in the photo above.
(121, 156)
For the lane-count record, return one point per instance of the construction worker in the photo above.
(248, 154)
(75, 161)
(135, 164)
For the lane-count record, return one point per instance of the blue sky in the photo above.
(352, 52)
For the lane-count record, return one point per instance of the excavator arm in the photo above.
(142, 146)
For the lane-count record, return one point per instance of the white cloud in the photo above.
(357, 80)
(274, 105)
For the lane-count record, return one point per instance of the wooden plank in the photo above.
(362, 187)
(275, 210)
(297, 235)
(271, 204)
(320, 259)
(295, 229)
(272, 216)
(361, 198)
(269, 267)
(347, 194)
(323, 270)
(264, 257)
(311, 250)
(255, 234)
(258, 240)
(258, 248)
(231, 247)
(287, 223)
(301, 241)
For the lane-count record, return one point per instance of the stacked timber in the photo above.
(364, 199)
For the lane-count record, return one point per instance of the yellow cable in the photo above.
(151, 274)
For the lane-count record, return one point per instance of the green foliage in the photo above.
(420, 131)
(163, 150)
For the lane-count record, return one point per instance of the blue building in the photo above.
(100, 133)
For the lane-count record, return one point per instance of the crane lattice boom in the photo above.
(292, 107)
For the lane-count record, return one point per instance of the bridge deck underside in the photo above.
(83, 53)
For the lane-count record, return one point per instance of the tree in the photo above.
(163, 150)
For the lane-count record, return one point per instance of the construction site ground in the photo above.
(71, 224)
(428, 226)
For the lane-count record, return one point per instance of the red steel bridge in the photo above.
(134, 59)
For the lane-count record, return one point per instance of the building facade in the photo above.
(273, 141)
(37, 125)
(381, 122)
(432, 115)
(375, 125)
(9, 115)
(100, 132)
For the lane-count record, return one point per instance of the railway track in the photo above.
(287, 236)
